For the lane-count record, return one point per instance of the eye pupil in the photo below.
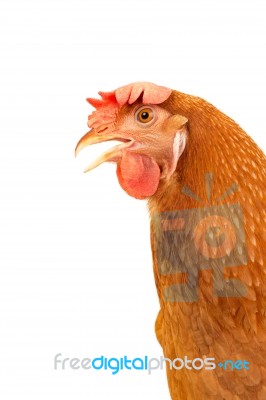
(144, 115)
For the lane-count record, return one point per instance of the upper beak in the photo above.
(93, 137)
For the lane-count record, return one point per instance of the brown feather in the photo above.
(209, 172)
(223, 328)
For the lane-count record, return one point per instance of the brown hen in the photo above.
(204, 179)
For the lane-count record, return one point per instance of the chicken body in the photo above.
(204, 179)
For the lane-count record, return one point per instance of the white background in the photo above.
(76, 271)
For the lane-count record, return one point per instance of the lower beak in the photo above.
(113, 154)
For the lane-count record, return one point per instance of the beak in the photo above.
(93, 137)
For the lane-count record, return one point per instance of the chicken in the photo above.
(204, 181)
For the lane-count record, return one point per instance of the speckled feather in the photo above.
(223, 328)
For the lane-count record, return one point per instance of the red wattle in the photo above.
(138, 175)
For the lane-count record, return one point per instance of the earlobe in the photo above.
(179, 145)
(176, 126)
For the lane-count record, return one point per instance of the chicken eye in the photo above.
(145, 115)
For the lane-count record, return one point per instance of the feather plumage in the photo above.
(211, 287)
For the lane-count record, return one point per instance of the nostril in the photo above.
(102, 130)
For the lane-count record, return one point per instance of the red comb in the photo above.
(108, 106)
(151, 93)
(107, 98)
(106, 109)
